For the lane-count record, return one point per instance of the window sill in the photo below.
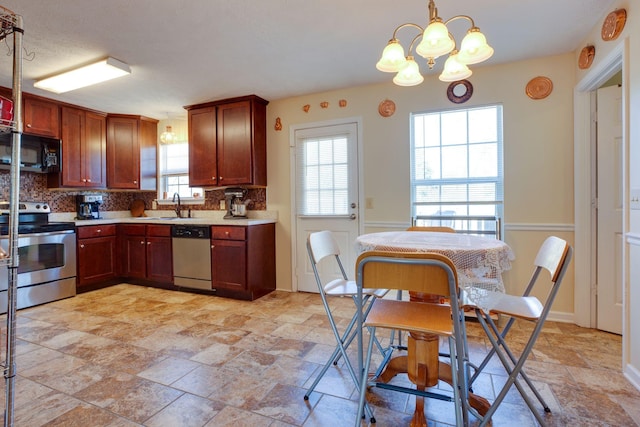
(183, 201)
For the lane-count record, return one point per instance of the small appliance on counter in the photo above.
(88, 206)
(236, 207)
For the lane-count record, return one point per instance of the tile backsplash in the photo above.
(33, 187)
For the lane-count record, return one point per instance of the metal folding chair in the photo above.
(420, 274)
(554, 256)
(321, 245)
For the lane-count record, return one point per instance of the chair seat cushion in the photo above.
(411, 316)
(341, 287)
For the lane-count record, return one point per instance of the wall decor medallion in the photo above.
(459, 91)
(324, 104)
(539, 87)
(306, 107)
(278, 125)
(586, 57)
(387, 108)
(613, 24)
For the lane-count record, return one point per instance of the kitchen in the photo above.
(499, 82)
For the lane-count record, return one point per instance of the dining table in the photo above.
(479, 261)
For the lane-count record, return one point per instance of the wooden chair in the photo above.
(554, 256)
(428, 277)
(432, 228)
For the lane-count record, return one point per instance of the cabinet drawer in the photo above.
(132, 229)
(86, 232)
(159, 230)
(228, 233)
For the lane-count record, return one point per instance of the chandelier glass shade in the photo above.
(434, 41)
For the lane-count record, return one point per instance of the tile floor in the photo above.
(130, 356)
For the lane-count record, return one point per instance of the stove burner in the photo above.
(33, 217)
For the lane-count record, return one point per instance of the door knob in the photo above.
(352, 216)
(353, 205)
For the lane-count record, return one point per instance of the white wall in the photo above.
(538, 151)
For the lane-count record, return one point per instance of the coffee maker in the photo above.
(235, 207)
(88, 206)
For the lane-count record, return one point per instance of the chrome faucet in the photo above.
(178, 206)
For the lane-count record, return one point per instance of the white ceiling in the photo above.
(184, 52)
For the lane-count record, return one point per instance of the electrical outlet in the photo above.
(634, 198)
(223, 204)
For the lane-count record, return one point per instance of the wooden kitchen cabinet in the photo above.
(41, 117)
(96, 254)
(131, 152)
(228, 142)
(146, 252)
(83, 150)
(243, 260)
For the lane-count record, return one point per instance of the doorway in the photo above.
(609, 237)
(326, 192)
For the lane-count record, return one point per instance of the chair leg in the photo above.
(364, 381)
(513, 372)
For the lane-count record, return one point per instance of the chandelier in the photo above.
(434, 41)
(168, 137)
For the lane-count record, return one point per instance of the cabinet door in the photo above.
(96, 260)
(72, 149)
(148, 154)
(203, 170)
(134, 260)
(159, 259)
(95, 150)
(229, 264)
(235, 160)
(123, 153)
(41, 117)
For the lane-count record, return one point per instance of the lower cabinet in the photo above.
(146, 252)
(96, 254)
(243, 260)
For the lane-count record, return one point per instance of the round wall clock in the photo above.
(586, 57)
(459, 91)
(539, 87)
(613, 24)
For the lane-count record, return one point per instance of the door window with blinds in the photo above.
(323, 175)
(457, 169)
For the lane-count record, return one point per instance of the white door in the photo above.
(326, 195)
(609, 213)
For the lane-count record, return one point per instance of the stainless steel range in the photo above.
(46, 253)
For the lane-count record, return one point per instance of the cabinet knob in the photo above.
(28, 125)
(148, 243)
(213, 246)
(226, 233)
(135, 182)
(99, 230)
(142, 242)
(221, 178)
(84, 180)
(82, 245)
(89, 180)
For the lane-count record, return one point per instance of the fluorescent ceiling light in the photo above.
(88, 75)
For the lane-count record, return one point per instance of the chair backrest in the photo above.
(422, 272)
(554, 256)
(441, 229)
(321, 245)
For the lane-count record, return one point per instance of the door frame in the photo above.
(584, 181)
(292, 181)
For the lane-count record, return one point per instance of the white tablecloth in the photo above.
(479, 261)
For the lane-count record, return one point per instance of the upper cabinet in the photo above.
(228, 142)
(41, 117)
(83, 150)
(131, 152)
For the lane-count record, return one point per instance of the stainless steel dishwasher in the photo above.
(191, 256)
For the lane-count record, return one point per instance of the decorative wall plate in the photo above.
(387, 108)
(459, 91)
(539, 87)
(586, 57)
(614, 24)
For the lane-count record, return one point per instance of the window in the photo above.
(456, 168)
(174, 171)
(323, 175)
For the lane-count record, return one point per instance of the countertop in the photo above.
(169, 217)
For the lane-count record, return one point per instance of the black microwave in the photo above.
(37, 153)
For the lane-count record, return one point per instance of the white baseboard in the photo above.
(633, 375)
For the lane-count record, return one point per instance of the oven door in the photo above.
(46, 268)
